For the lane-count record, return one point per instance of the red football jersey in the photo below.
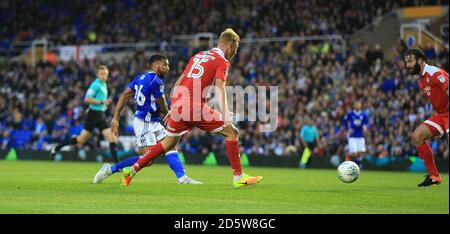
(433, 83)
(199, 75)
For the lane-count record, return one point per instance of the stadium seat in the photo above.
(21, 138)
(76, 130)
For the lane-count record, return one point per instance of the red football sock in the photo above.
(234, 156)
(152, 153)
(347, 157)
(426, 154)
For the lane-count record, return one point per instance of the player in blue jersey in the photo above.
(356, 122)
(148, 92)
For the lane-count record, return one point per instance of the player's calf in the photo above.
(57, 148)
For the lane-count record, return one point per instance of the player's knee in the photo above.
(236, 132)
(417, 139)
(231, 132)
(169, 143)
(81, 140)
(109, 136)
(113, 139)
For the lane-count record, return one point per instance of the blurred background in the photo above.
(322, 54)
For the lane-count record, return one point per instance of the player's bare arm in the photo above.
(118, 109)
(365, 130)
(162, 103)
(222, 95)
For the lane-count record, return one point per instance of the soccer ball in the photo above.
(348, 172)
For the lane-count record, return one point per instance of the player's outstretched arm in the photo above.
(118, 109)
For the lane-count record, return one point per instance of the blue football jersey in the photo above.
(356, 121)
(147, 87)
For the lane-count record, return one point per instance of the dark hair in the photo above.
(156, 58)
(102, 67)
(417, 52)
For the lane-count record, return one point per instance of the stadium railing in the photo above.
(16, 49)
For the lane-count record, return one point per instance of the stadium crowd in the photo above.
(313, 85)
(84, 21)
(318, 81)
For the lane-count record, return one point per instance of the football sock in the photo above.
(125, 163)
(234, 157)
(151, 154)
(347, 157)
(237, 178)
(358, 161)
(175, 163)
(69, 141)
(426, 154)
(305, 156)
(113, 148)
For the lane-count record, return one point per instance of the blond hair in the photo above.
(229, 35)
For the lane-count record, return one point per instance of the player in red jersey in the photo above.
(189, 108)
(433, 82)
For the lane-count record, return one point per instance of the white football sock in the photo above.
(237, 177)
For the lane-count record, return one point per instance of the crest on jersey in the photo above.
(441, 78)
(427, 90)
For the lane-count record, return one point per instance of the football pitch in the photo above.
(66, 187)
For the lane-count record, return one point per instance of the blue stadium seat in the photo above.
(76, 130)
(21, 138)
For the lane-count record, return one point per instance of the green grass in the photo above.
(66, 187)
